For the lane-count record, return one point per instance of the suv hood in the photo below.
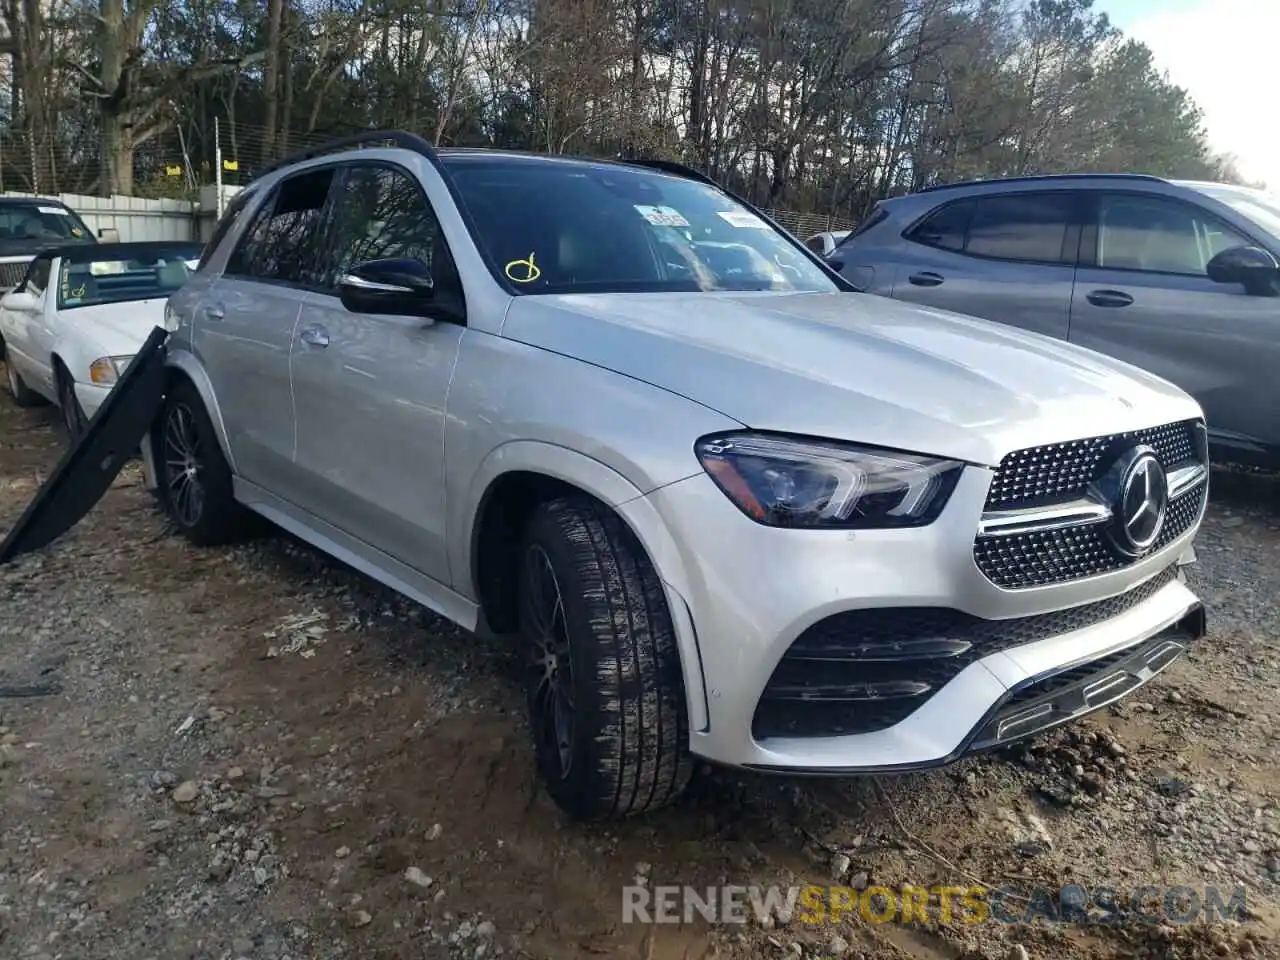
(855, 367)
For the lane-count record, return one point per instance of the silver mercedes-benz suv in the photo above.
(728, 507)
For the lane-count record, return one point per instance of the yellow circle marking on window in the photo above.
(522, 271)
(79, 291)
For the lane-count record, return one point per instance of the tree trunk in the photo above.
(271, 79)
(115, 148)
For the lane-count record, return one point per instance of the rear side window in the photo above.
(878, 215)
(945, 228)
(229, 218)
(281, 244)
(1023, 227)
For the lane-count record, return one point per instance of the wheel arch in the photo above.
(509, 485)
(183, 363)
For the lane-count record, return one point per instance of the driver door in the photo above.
(1142, 295)
(370, 389)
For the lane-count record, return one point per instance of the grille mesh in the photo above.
(1065, 469)
(1059, 471)
(11, 274)
(1057, 556)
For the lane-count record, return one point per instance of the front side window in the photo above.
(40, 224)
(380, 213)
(1156, 235)
(1020, 227)
(282, 242)
(551, 226)
(1258, 206)
(127, 273)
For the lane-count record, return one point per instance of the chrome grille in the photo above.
(11, 274)
(1046, 475)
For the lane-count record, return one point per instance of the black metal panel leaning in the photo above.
(90, 465)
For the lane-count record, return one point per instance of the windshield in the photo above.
(1260, 207)
(564, 227)
(117, 279)
(30, 226)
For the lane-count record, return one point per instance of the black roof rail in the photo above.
(394, 138)
(690, 173)
(1044, 176)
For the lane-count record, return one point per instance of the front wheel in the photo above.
(73, 418)
(606, 699)
(195, 479)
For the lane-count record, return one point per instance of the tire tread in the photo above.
(641, 748)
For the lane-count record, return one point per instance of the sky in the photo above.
(1226, 54)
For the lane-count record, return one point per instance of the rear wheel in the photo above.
(606, 699)
(195, 479)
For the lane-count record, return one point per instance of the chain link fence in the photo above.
(805, 225)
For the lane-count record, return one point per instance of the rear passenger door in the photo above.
(371, 389)
(1143, 295)
(244, 326)
(1009, 257)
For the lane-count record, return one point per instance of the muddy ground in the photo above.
(255, 752)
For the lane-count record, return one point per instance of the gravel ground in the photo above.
(258, 753)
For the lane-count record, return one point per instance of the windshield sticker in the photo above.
(58, 210)
(522, 271)
(77, 232)
(742, 219)
(662, 216)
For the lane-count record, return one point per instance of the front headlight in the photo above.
(107, 370)
(790, 482)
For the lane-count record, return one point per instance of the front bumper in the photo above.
(751, 592)
(91, 397)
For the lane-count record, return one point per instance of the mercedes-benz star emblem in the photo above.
(1139, 502)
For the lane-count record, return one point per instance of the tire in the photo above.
(623, 744)
(73, 419)
(194, 477)
(23, 395)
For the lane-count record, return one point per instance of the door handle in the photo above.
(926, 279)
(316, 336)
(214, 311)
(1109, 298)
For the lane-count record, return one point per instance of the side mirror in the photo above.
(20, 301)
(1256, 269)
(402, 287)
(109, 235)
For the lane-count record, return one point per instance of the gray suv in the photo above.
(725, 506)
(1179, 278)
